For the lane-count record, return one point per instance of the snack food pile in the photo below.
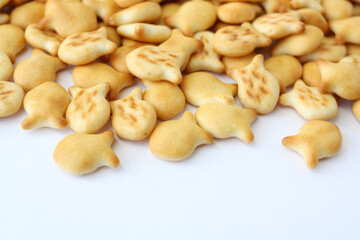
(298, 53)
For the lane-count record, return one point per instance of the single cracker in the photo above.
(12, 40)
(279, 25)
(341, 78)
(68, 17)
(288, 73)
(133, 118)
(312, 17)
(92, 74)
(37, 69)
(337, 9)
(346, 30)
(236, 12)
(178, 43)
(103, 8)
(311, 74)
(356, 109)
(88, 111)
(43, 39)
(192, 17)
(236, 41)
(153, 63)
(309, 102)
(118, 58)
(46, 105)
(28, 13)
(314, 4)
(224, 120)
(167, 98)
(205, 59)
(176, 140)
(147, 12)
(83, 48)
(301, 43)
(328, 50)
(145, 32)
(202, 87)
(257, 88)
(11, 98)
(6, 67)
(81, 153)
(317, 139)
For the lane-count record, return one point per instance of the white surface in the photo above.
(227, 190)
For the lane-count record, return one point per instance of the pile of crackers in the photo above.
(172, 48)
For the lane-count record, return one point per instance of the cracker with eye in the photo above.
(83, 48)
(328, 50)
(46, 105)
(144, 32)
(236, 12)
(6, 67)
(192, 17)
(337, 9)
(81, 153)
(276, 6)
(103, 8)
(237, 62)
(311, 74)
(288, 73)
(314, 4)
(346, 30)
(341, 78)
(257, 88)
(236, 41)
(226, 119)
(178, 43)
(153, 63)
(12, 40)
(68, 17)
(11, 98)
(88, 111)
(147, 12)
(118, 58)
(301, 43)
(92, 74)
(312, 17)
(176, 140)
(356, 109)
(132, 117)
(317, 139)
(28, 13)
(309, 102)
(37, 69)
(202, 87)
(43, 39)
(166, 98)
(279, 25)
(205, 59)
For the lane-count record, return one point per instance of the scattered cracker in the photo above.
(11, 98)
(317, 139)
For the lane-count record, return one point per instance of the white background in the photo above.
(226, 190)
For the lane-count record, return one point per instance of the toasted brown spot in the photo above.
(95, 39)
(132, 117)
(80, 93)
(92, 106)
(253, 96)
(168, 64)
(263, 90)
(95, 92)
(121, 109)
